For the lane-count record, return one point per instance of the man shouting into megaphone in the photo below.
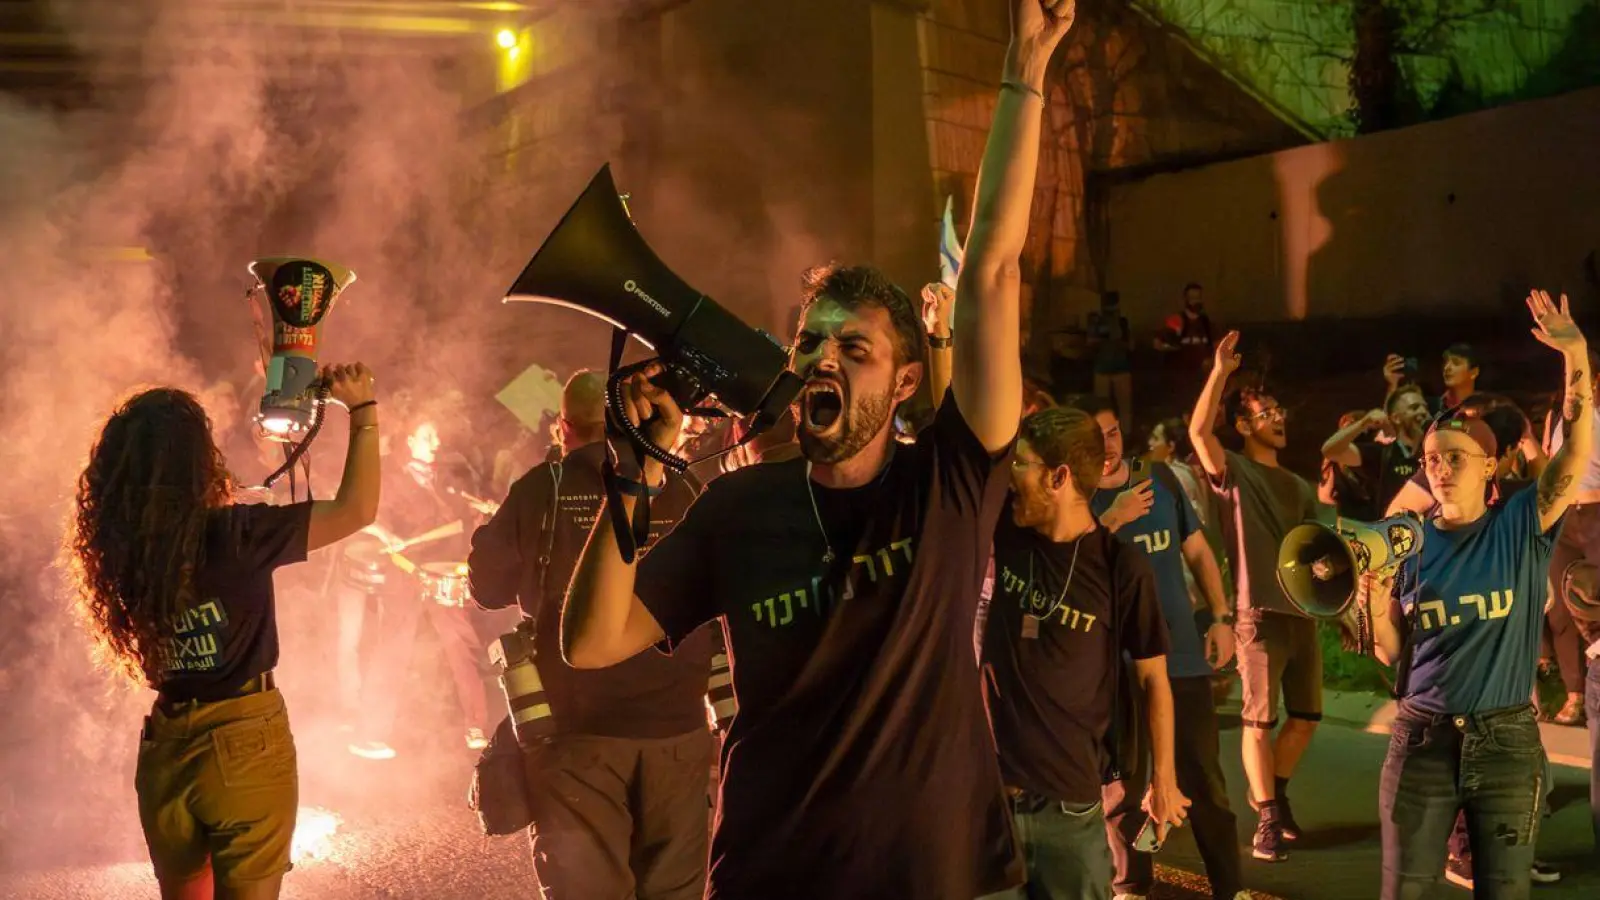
(860, 763)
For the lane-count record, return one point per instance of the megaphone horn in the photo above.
(597, 262)
(1320, 566)
(299, 293)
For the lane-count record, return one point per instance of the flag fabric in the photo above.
(950, 249)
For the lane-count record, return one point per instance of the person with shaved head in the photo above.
(618, 787)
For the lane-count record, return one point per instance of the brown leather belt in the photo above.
(257, 685)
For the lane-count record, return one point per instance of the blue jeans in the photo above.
(1065, 850)
(1489, 766)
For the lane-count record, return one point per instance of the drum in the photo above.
(363, 564)
(445, 583)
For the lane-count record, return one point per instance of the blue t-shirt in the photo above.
(1476, 603)
(1160, 533)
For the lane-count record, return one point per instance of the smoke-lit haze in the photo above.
(212, 140)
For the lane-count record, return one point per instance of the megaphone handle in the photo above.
(616, 413)
(318, 414)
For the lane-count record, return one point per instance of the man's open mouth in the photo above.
(821, 405)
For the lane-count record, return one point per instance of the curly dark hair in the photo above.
(137, 533)
(856, 287)
(1065, 436)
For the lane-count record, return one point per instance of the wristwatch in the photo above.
(1210, 618)
(941, 343)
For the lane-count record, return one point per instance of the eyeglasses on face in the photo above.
(1019, 464)
(1275, 414)
(1454, 459)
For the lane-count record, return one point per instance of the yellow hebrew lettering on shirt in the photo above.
(1476, 600)
(1433, 614)
(1500, 603)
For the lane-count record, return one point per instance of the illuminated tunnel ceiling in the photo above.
(1449, 57)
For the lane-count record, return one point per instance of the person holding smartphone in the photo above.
(174, 580)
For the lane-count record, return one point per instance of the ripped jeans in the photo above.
(1489, 766)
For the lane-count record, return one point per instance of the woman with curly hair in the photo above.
(175, 581)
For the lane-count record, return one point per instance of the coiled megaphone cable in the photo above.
(319, 408)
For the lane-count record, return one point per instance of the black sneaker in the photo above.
(1286, 823)
(1458, 871)
(1269, 844)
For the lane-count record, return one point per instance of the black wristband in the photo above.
(941, 343)
(362, 405)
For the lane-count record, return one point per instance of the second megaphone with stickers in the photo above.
(1320, 567)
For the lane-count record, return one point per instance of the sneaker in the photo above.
(1130, 897)
(1544, 873)
(1286, 823)
(372, 750)
(1458, 871)
(475, 739)
(1269, 842)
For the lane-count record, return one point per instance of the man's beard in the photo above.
(858, 425)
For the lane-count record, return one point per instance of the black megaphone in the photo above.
(596, 261)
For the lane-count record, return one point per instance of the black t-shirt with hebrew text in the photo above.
(230, 634)
(860, 763)
(1051, 654)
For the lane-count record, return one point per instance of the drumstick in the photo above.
(440, 533)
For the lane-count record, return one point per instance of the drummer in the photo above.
(414, 568)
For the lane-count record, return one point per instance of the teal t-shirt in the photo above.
(1475, 598)
(1160, 533)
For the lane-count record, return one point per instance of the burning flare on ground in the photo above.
(313, 833)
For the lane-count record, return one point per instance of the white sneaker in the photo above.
(372, 750)
(475, 739)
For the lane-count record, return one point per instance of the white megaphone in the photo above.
(1320, 567)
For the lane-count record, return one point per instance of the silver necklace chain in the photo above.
(827, 553)
(1077, 545)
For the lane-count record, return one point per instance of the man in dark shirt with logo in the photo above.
(1070, 600)
(625, 752)
(1383, 468)
(860, 763)
(1144, 505)
(1277, 644)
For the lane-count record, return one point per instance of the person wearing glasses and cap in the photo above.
(1460, 622)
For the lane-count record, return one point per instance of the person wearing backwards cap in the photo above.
(1460, 622)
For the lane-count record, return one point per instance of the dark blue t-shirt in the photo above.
(1160, 533)
(1476, 603)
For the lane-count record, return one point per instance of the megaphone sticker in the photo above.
(1401, 538)
(301, 291)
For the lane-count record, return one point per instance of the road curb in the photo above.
(1564, 744)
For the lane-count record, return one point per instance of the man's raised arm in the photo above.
(987, 368)
(1201, 431)
(603, 622)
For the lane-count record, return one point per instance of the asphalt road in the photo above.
(405, 833)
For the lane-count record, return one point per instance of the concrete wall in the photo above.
(1452, 218)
